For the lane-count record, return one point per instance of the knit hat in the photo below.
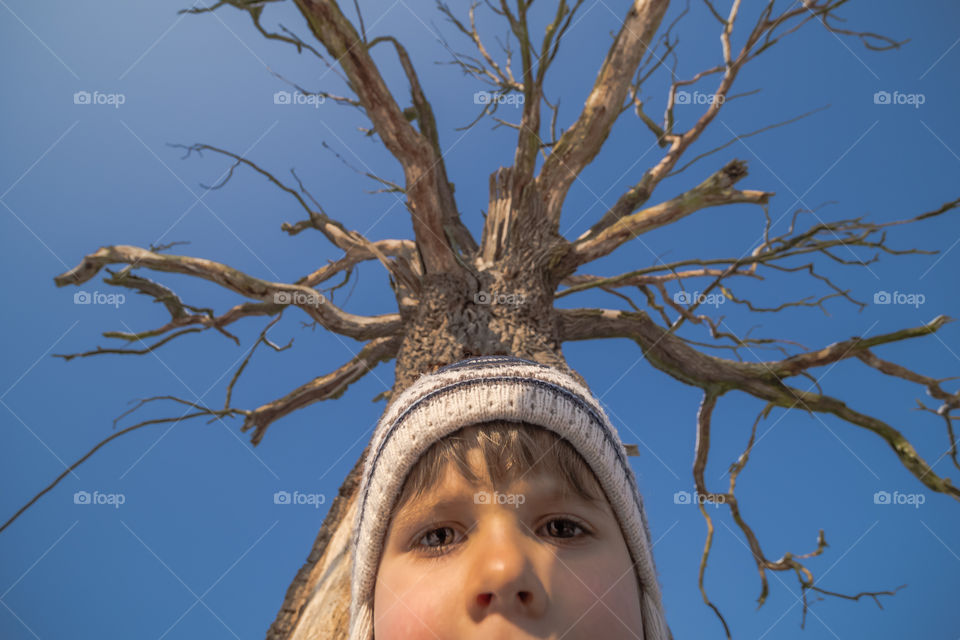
(485, 389)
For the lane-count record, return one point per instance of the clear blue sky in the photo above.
(198, 549)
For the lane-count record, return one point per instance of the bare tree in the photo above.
(444, 280)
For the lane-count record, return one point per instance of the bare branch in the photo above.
(178, 310)
(488, 68)
(743, 136)
(763, 35)
(321, 310)
(255, 9)
(789, 561)
(773, 252)
(401, 249)
(333, 230)
(204, 412)
(261, 339)
(714, 191)
(763, 380)
(870, 40)
(326, 95)
(428, 127)
(574, 282)
(850, 348)
(425, 184)
(136, 352)
(640, 277)
(324, 387)
(950, 401)
(583, 140)
(358, 248)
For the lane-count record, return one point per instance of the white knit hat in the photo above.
(480, 390)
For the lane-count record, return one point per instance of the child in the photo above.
(497, 502)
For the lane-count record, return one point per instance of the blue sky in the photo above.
(198, 548)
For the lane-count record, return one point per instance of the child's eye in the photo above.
(564, 528)
(435, 541)
(439, 540)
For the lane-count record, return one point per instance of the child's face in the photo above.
(456, 568)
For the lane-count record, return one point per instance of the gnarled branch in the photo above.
(714, 191)
(311, 301)
(325, 387)
(424, 185)
(580, 144)
(763, 380)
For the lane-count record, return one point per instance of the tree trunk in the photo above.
(503, 304)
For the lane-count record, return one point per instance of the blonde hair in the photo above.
(508, 450)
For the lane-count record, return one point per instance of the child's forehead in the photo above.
(434, 503)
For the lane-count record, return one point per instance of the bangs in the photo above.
(508, 451)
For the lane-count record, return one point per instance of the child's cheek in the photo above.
(618, 592)
(416, 614)
(600, 578)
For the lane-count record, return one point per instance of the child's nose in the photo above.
(504, 579)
